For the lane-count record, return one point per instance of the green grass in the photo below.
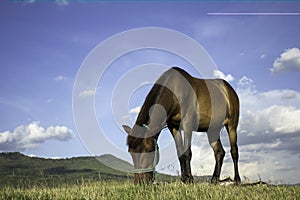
(22, 177)
(127, 190)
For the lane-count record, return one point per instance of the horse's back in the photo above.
(213, 101)
(224, 100)
(218, 103)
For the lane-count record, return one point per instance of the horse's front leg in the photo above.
(185, 163)
(184, 156)
(190, 123)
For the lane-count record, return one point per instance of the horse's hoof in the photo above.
(237, 180)
(188, 180)
(214, 180)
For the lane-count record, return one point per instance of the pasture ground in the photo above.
(127, 190)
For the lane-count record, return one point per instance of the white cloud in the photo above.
(87, 93)
(31, 136)
(269, 127)
(219, 74)
(289, 94)
(274, 111)
(263, 56)
(60, 78)
(135, 110)
(289, 60)
(246, 86)
(202, 163)
(272, 120)
(56, 158)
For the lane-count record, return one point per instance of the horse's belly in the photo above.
(215, 121)
(203, 124)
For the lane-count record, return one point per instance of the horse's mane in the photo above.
(181, 71)
(156, 91)
(143, 117)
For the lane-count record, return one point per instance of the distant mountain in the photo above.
(18, 169)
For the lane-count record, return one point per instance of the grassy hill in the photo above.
(18, 169)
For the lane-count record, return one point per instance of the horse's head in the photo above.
(144, 152)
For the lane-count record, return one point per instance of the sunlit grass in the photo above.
(127, 190)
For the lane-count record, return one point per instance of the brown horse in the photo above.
(184, 104)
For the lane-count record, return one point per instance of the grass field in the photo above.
(127, 190)
(23, 177)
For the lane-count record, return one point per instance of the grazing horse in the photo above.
(184, 104)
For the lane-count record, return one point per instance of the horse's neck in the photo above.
(154, 111)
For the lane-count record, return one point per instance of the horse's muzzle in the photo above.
(144, 178)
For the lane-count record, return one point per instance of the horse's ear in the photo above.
(127, 129)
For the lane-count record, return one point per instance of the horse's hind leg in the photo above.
(234, 151)
(215, 143)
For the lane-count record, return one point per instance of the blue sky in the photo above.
(44, 44)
